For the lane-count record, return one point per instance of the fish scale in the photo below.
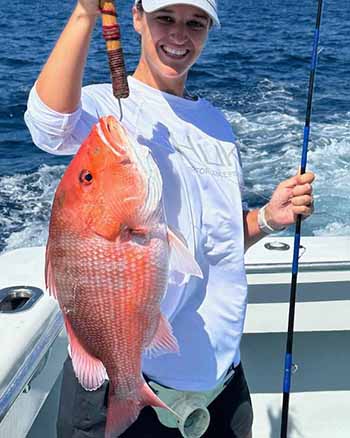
(121, 284)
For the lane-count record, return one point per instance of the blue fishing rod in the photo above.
(295, 265)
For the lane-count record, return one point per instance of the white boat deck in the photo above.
(320, 390)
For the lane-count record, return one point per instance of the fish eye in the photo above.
(85, 177)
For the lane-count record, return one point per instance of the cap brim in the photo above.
(154, 5)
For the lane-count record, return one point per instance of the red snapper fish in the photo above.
(107, 263)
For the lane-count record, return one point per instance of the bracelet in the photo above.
(262, 222)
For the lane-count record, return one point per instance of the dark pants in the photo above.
(82, 414)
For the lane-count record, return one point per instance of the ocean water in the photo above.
(256, 69)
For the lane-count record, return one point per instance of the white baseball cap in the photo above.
(208, 6)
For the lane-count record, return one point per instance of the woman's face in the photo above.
(172, 39)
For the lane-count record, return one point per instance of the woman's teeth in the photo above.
(175, 52)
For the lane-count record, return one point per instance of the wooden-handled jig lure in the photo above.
(111, 34)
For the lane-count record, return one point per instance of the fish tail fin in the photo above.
(121, 414)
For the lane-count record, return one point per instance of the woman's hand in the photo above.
(88, 7)
(291, 198)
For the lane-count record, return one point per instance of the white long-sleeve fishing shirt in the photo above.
(197, 155)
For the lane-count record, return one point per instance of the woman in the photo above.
(199, 161)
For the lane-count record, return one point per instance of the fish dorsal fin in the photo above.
(89, 370)
(164, 341)
(181, 259)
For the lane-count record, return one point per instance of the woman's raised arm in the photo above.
(60, 81)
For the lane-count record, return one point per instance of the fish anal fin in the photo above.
(164, 341)
(181, 259)
(89, 370)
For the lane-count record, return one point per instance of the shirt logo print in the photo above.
(208, 156)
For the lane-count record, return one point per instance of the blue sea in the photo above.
(256, 69)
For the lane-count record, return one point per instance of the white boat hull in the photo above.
(33, 345)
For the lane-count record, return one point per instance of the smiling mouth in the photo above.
(174, 53)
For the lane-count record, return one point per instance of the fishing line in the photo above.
(289, 346)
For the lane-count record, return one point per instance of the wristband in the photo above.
(262, 222)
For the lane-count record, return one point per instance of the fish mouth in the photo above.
(115, 137)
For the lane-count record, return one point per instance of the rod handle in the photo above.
(111, 34)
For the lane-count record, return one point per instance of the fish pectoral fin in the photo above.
(89, 370)
(181, 259)
(164, 341)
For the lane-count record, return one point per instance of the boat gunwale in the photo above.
(27, 370)
(252, 268)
